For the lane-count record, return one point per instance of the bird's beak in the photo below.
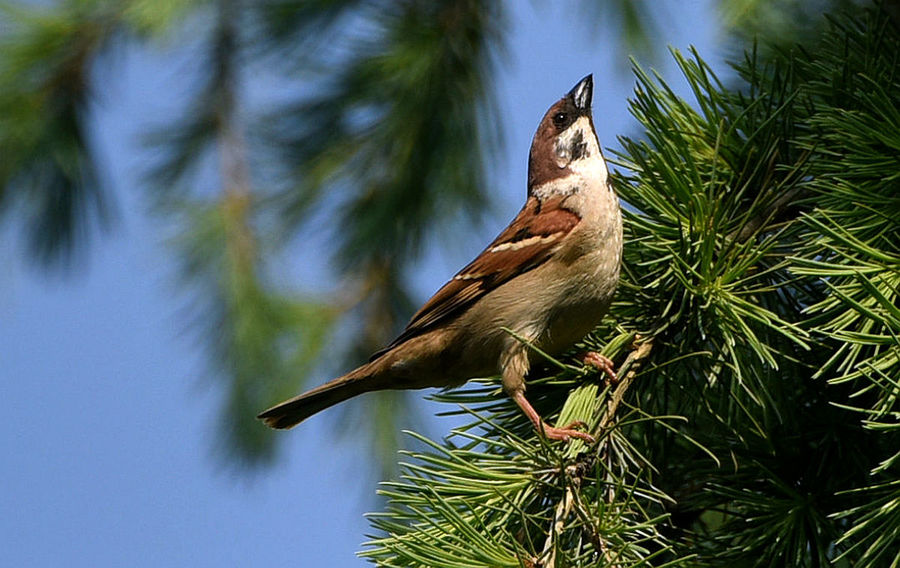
(581, 93)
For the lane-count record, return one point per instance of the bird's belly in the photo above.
(583, 297)
(551, 306)
(571, 320)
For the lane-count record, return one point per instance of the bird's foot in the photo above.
(551, 432)
(567, 432)
(602, 363)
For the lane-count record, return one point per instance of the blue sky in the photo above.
(108, 433)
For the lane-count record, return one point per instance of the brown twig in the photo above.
(563, 509)
(628, 372)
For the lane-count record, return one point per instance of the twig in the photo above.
(564, 508)
(629, 368)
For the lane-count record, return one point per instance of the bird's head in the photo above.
(565, 142)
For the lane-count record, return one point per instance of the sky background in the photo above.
(108, 437)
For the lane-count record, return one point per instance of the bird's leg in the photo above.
(514, 367)
(602, 363)
(550, 432)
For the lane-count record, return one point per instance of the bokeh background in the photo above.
(120, 442)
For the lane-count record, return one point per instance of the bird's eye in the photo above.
(561, 120)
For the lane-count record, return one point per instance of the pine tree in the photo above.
(756, 326)
(757, 332)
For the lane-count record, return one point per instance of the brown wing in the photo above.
(524, 245)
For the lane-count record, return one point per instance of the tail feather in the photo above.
(295, 410)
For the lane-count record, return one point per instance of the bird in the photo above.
(546, 281)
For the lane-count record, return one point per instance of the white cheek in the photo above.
(591, 165)
(566, 140)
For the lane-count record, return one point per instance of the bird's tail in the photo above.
(295, 410)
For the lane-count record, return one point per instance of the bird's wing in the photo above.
(529, 240)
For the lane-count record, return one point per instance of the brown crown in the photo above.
(542, 163)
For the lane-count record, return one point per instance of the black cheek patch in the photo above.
(578, 149)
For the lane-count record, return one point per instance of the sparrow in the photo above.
(548, 278)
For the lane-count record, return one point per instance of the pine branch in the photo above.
(758, 266)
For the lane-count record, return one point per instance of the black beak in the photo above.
(582, 92)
